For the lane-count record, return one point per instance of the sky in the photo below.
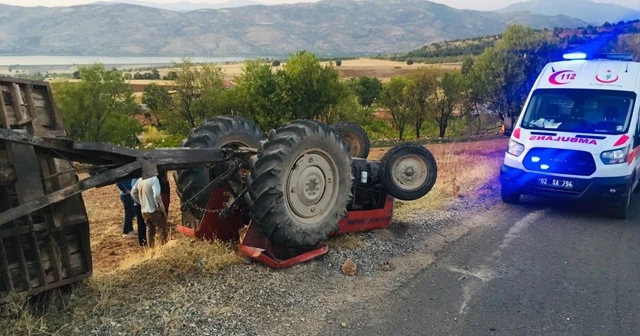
(463, 4)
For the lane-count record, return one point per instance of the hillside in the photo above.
(330, 27)
(627, 37)
(596, 13)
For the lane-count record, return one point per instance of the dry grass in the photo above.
(462, 170)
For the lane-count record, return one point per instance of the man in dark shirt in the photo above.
(129, 209)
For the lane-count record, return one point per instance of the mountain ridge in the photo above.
(327, 28)
(587, 10)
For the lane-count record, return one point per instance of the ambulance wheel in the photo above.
(408, 171)
(620, 209)
(355, 137)
(509, 196)
(217, 132)
(300, 184)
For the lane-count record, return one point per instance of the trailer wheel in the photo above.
(300, 183)
(408, 171)
(218, 132)
(355, 137)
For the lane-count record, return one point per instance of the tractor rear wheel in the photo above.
(300, 183)
(355, 137)
(218, 132)
(408, 171)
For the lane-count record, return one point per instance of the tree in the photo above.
(421, 85)
(447, 99)
(155, 74)
(172, 75)
(409, 62)
(76, 74)
(309, 89)
(99, 107)
(157, 100)
(368, 89)
(275, 63)
(508, 70)
(197, 97)
(394, 98)
(338, 63)
(128, 76)
(258, 94)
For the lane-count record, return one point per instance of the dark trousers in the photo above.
(129, 213)
(132, 210)
(142, 227)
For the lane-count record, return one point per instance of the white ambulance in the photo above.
(578, 136)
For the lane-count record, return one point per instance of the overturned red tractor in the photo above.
(306, 182)
(279, 195)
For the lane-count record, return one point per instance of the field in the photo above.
(382, 69)
(205, 288)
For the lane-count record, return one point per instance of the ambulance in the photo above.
(578, 135)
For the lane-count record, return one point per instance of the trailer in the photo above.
(279, 195)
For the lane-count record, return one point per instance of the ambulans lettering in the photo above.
(562, 139)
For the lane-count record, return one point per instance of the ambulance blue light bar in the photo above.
(575, 56)
(584, 56)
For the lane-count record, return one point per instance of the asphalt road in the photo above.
(541, 269)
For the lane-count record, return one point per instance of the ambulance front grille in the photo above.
(560, 161)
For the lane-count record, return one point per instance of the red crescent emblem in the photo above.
(562, 77)
(605, 81)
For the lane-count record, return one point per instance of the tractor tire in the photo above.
(300, 184)
(217, 132)
(355, 137)
(408, 171)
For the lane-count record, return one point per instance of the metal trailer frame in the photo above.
(43, 261)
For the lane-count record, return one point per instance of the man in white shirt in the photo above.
(146, 192)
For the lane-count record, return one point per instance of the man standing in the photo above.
(146, 192)
(142, 227)
(129, 209)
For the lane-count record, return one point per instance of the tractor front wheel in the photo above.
(408, 171)
(300, 183)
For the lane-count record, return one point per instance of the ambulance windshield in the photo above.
(579, 111)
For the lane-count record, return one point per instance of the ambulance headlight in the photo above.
(515, 148)
(615, 156)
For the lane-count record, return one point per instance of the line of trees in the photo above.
(429, 101)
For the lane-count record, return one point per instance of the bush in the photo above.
(409, 62)
(276, 63)
(338, 63)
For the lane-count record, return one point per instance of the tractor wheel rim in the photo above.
(353, 144)
(409, 172)
(312, 186)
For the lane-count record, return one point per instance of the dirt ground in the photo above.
(205, 288)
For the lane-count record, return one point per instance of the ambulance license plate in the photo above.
(559, 183)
